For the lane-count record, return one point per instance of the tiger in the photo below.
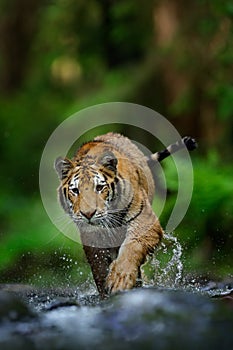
(107, 189)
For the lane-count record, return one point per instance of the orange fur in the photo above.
(107, 189)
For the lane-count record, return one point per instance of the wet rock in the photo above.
(16, 287)
(227, 297)
(148, 318)
(16, 320)
(167, 320)
(12, 308)
(61, 302)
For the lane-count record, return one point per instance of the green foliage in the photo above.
(59, 57)
(225, 97)
(205, 233)
(34, 247)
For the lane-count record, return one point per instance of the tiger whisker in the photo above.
(114, 239)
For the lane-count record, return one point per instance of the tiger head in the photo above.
(89, 189)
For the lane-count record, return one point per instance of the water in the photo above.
(168, 312)
(149, 317)
(165, 267)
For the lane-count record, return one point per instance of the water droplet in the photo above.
(168, 267)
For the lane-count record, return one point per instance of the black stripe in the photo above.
(65, 191)
(116, 180)
(113, 189)
(118, 187)
(163, 154)
(62, 197)
(124, 212)
(105, 177)
(190, 143)
(136, 215)
(107, 173)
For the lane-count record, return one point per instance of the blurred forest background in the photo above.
(57, 57)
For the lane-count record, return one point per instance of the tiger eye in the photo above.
(75, 191)
(99, 188)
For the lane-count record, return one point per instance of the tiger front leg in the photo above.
(99, 260)
(122, 275)
(124, 271)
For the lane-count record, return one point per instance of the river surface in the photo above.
(168, 312)
(143, 318)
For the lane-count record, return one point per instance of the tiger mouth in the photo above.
(90, 222)
(97, 223)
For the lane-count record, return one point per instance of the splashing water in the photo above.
(165, 267)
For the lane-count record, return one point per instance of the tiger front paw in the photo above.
(121, 277)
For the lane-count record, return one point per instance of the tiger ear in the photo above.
(109, 161)
(62, 167)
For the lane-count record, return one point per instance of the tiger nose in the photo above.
(88, 214)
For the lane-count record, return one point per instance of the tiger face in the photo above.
(89, 190)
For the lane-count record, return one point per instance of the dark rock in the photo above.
(12, 308)
(149, 318)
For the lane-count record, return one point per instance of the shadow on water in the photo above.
(172, 315)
